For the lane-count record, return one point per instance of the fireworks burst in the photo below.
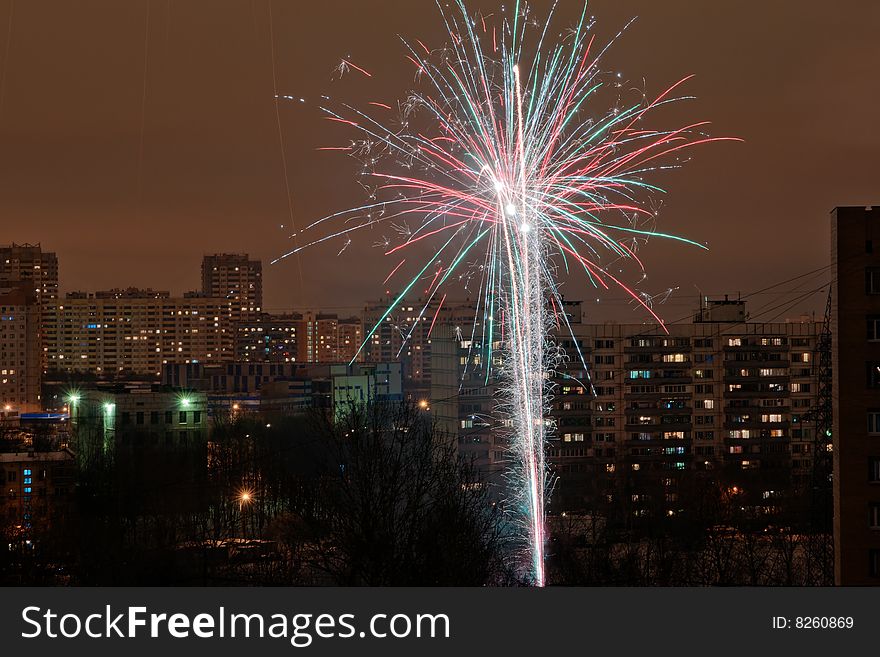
(501, 159)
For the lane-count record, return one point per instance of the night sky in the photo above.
(798, 81)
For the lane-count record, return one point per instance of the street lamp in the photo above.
(244, 498)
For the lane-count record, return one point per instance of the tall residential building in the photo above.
(20, 349)
(136, 333)
(28, 262)
(327, 338)
(855, 321)
(403, 331)
(236, 278)
(349, 338)
(715, 394)
(269, 338)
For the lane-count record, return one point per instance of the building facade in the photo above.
(105, 421)
(855, 320)
(28, 263)
(641, 408)
(37, 488)
(403, 331)
(269, 338)
(104, 334)
(237, 279)
(20, 349)
(725, 396)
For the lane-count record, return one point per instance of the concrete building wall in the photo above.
(855, 253)
(20, 349)
(103, 336)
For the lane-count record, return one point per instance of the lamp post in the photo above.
(244, 498)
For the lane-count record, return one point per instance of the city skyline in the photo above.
(86, 161)
(792, 302)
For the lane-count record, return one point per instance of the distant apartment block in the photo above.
(269, 338)
(106, 333)
(403, 332)
(38, 269)
(20, 349)
(236, 278)
(327, 338)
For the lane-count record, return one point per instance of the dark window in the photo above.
(126, 418)
(140, 417)
(873, 331)
(874, 563)
(872, 370)
(154, 417)
(874, 470)
(182, 417)
(197, 417)
(169, 417)
(874, 515)
(872, 280)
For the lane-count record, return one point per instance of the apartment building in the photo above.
(855, 320)
(236, 278)
(106, 333)
(38, 270)
(639, 407)
(20, 352)
(269, 338)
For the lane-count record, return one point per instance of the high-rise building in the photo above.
(855, 322)
(402, 331)
(641, 407)
(715, 394)
(20, 351)
(236, 278)
(327, 338)
(269, 338)
(28, 262)
(108, 333)
(349, 338)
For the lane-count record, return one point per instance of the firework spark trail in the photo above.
(497, 153)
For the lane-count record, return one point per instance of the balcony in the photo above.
(756, 362)
(657, 349)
